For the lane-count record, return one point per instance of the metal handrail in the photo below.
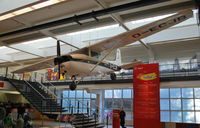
(86, 105)
(35, 89)
(48, 90)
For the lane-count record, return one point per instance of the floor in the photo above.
(52, 124)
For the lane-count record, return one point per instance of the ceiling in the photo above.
(10, 28)
(70, 8)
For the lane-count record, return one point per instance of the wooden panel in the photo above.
(162, 125)
(170, 125)
(181, 125)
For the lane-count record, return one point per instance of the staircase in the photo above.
(34, 92)
(45, 102)
(84, 121)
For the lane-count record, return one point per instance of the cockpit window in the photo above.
(110, 57)
(95, 55)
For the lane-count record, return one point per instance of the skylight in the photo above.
(29, 9)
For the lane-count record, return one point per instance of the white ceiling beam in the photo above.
(45, 32)
(119, 20)
(115, 17)
(28, 49)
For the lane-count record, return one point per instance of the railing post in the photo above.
(78, 107)
(23, 76)
(13, 75)
(95, 118)
(61, 102)
(87, 108)
(107, 120)
(6, 72)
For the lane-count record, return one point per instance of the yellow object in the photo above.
(149, 76)
(62, 77)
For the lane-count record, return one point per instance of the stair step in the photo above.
(81, 119)
(98, 126)
(83, 122)
(87, 125)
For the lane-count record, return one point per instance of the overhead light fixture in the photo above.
(22, 11)
(6, 16)
(45, 4)
(29, 9)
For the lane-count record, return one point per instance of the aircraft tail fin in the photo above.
(118, 59)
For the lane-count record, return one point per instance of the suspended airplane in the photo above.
(83, 62)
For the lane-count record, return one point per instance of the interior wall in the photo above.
(12, 98)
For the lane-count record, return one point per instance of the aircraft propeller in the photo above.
(58, 55)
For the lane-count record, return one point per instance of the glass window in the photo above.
(164, 93)
(73, 103)
(65, 94)
(108, 113)
(79, 94)
(175, 93)
(188, 117)
(117, 103)
(175, 104)
(127, 104)
(165, 116)
(86, 103)
(197, 117)
(65, 103)
(188, 104)
(129, 115)
(79, 103)
(164, 104)
(86, 95)
(108, 93)
(84, 110)
(176, 116)
(93, 96)
(197, 104)
(127, 93)
(72, 94)
(197, 92)
(108, 103)
(117, 93)
(187, 92)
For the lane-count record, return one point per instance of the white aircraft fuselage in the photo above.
(81, 65)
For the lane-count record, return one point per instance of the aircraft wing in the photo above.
(119, 40)
(138, 33)
(47, 63)
(131, 65)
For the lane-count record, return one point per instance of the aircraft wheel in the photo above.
(113, 76)
(72, 86)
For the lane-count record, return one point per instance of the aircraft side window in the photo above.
(95, 54)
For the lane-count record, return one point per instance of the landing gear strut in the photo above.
(113, 76)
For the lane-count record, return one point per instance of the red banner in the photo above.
(116, 118)
(1, 84)
(146, 96)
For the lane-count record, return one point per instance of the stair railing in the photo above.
(44, 99)
(53, 86)
(95, 113)
(35, 89)
(48, 91)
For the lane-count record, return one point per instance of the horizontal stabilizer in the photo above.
(131, 65)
